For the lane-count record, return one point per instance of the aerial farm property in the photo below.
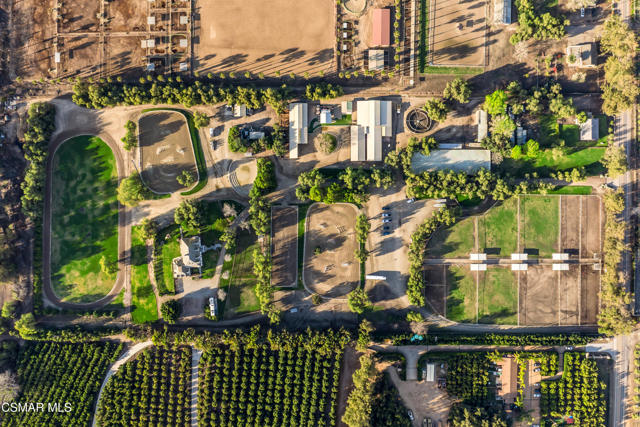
(316, 212)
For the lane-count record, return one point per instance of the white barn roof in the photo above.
(374, 117)
(357, 144)
(589, 130)
(469, 161)
(298, 127)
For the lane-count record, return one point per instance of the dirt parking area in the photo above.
(424, 398)
(284, 246)
(330, 266)
(457, 32)
(259, 36)
(165, 150)
(389, 252)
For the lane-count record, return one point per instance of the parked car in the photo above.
(411, 200)
(386, 215)
(386, 208)
(536, 370)
(536, 395)
(211, 132)
(536, 385)
(386, 233)
(410, 413)
(582, 12)
(569, 348)
(386, 228)
(537, 364)
(386, 220)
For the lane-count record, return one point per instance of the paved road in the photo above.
(506, 261)
(124, 231)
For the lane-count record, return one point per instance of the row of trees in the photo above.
(37, 135)
(268, 384)
(417, 248)
(130, 139)
(456, 90)
(619, 90)
(322, 91)
(350, 185)
(614, 316)
(57, 373)
(152, 389)
(534, 22)
(360, 400)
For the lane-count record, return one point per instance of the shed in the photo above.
(469, 161)
(151, 20)
(590, 130)
(184, 19)
(483, 127)
(376, 59)
(502, 12)
(184, 43)
(56, 57)
(184, 66)
(298, 127)
(358, 147)
(381, 35)
(239, 110)
(346, 107)
(431, 372)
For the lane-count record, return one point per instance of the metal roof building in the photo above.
(298, 127)
(374, 119)
(590, 130)
(376, 59)
(502, 12)
(469, 161)
(381, 35)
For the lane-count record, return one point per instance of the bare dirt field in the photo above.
(32, 30)
(569, 295)
(334, 271)
(591, 226)
(127, 15)
(457, 32)
(79, 15)
(259, 36)
(125, 56)
(79, 56)
(538, 296)
(436, 289)
(589, 301)
(165, 150)
(284, 246)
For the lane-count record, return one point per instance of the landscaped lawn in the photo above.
(84, 222)
(143, 299)
(573, 189)
(498, 229)
(587, 157)
(498, 297)
(170, 250)
(539, 223)
(461, 300)
(453, 242)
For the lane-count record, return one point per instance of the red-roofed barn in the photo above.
(381, 27)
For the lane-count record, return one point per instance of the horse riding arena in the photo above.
(457, 32)
(330, 266)
(284, 246)
(166, 150)
(257, 36)
(538, 226)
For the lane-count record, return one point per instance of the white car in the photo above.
(582, 12)
(211, 132)
(386, 220)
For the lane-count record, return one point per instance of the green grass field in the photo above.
(584, 190)
(498, 297)
(302, 217)
(143, 301)
(170, 250)
(241, 282)
(459, 71)
(453, 242)
(539, 224)
(461, 301)
(498, 229)
(423, 49)
(84, 221)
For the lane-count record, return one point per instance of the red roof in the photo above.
(381, 27)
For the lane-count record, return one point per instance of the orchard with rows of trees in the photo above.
(61, 372)
(152, 389)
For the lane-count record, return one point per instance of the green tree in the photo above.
(186, 178)
(200, 120)
(358, 301)
(130, 139)
(170, 311)
(108, 267)
(458, 89)
(364, 335)
(358, 410)
(189, 215)
(149, 228)
(132, 191)
(9, 309)
(615, 160)
(26, 325)
(235, 142)
(436, 110)
(496, 103)
(328, 143)
(229, 239)
(414, 316)
(363, 226)
(503, 125)
(532, 149)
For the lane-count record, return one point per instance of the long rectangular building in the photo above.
(298, 127)
(374, 122)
